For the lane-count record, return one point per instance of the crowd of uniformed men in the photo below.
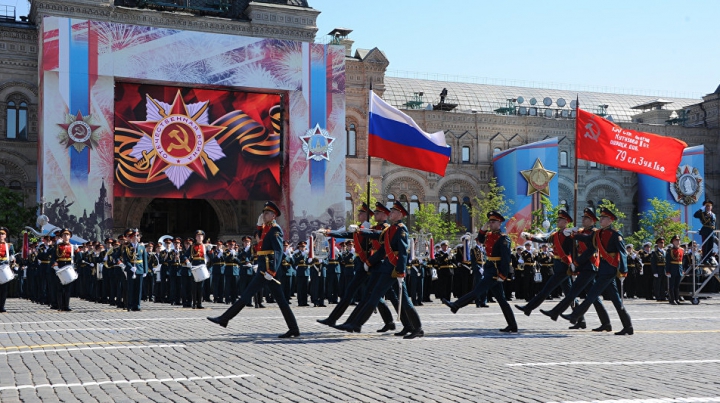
(361, 270)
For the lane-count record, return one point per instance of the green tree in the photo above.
(539, 215)
(492, 200)
(359, 194)
(661, 221)
(440, 225)
(13, 213)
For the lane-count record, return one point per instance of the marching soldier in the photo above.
(584, 267)
(613, 263)
(364, 248)
(495, 270)
(707, 231)
(477, 259)
(562, 261)
(657, 261)
(394, 253)
(135, 261)
(269, 259)
(674, 269)
(7, 252)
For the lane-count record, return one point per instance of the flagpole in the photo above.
(575, 195)
(369, 158)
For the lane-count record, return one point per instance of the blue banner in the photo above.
(526, 172)
(685, 194)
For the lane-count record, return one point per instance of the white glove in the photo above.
(309, 260)
(521, 261)
(133, 269)
(525, 235)
(567, 231)
(122, 265)
(144, 274)
(366, 224)
(352, 228)
(655, 275)
(499, 279)
(255, 268)
(268, 276)
(260, 220)
(572, 267)
(366, 266)
(668, 275)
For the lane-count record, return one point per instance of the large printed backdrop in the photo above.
(175, 142)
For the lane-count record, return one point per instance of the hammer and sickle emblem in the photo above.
(181, 144)
(593, 132)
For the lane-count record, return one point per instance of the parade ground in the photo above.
(168, 354)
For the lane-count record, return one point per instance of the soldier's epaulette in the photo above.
(401, 225)
(385, 225)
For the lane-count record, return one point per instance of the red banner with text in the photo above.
(606, 143)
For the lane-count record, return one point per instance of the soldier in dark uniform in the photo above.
(217, 260)
(544, 264)
(674, 269)
(445, 271)
(302, 270)
(364, 247)
(584, 267)
(318, 272)
(495, 270)
(527, 259)
(657, 261)
(613, 263)
(269, 259)
(62, 256)
(119, 281)
(707, 231)
(231, 260)
(394, 253)
(135, 259)
(333, 273)
(7, 252)
(645, 286)
(161, 287)
(287, 264)
(634, 268)
(347, 260)
(44, 258)
(463, 267)
(562, 261)
(477, 259)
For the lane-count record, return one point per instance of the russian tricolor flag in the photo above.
(395, 137)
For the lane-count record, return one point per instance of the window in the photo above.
(592, 164)
(390, 201)
(444, 205)
(16, 127)
(466, 154)
(15, 185)
(351, 145)
(414, 204)
(454, 205)
(563, 158)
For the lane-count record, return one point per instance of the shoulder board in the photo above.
(401, 225)
(385, 225)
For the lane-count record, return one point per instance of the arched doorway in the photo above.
(178, 217)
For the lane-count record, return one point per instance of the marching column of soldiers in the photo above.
(366, 266)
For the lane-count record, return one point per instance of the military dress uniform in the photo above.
(674, 271)
(269, 266)
(6, 257)
(645, 287)
(586, 261)
(445, 273)
(217, 260)
(365, 247)
(62, 256)
(43, 275)
(135, 259)
(333, 273)
(288, 279)
(632, 281)
(707, 231)
(477, 259)
(657, 262)
(196, 255)
(394, 254)
(529, 269)
(302, 271)
(613, 263)
(232, 261)
(495, 271)
(347, 260)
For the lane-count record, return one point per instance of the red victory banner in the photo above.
(606, 143)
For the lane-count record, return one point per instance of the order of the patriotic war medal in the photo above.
(317, 144)
(689, 185)
(78, 132)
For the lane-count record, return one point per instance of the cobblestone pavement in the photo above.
(163, 353)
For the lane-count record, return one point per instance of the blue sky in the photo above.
(656, 47)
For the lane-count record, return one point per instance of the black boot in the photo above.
(231, 312)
